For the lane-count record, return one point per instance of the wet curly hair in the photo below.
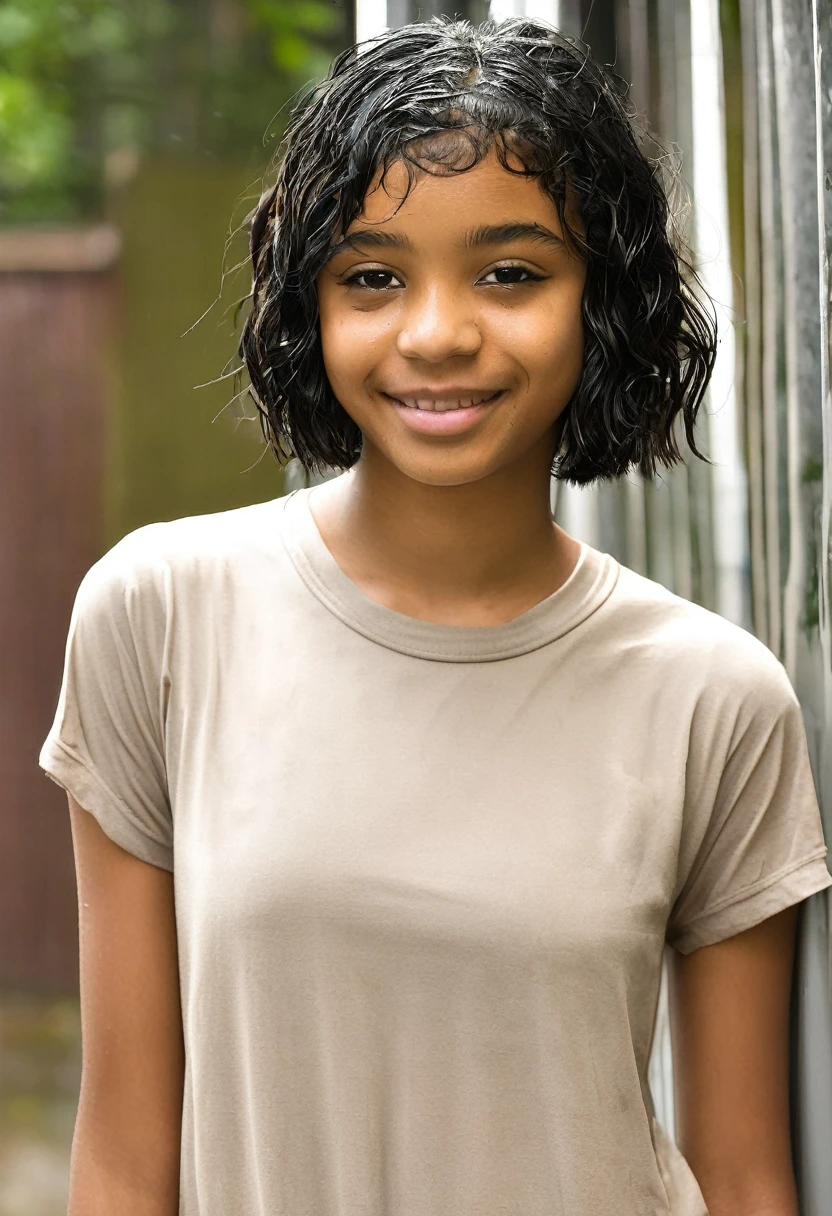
(528, 91)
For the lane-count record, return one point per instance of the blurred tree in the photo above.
(87, 85)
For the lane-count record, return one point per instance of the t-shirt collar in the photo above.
(587, 588)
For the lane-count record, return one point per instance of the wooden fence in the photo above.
(58, 292)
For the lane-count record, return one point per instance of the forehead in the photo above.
(486, 193)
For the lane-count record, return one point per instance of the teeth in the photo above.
(441, 405)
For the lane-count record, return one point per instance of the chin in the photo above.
(445, 468)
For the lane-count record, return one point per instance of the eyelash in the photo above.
(532, 277)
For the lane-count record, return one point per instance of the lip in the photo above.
(444, 422)
(442, 392)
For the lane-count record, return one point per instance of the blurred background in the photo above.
(134, 140)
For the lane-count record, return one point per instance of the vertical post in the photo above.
(538, 10)
(373, 17)
(730, 486)
(370, 18)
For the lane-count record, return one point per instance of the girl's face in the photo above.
(466, 294)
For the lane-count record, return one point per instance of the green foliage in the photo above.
(62, 63)
(81, 81)
(291, 24)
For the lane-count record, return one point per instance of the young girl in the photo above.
(388, 794)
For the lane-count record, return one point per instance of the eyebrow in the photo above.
(485, 234)
(505, 234)
(365, 238)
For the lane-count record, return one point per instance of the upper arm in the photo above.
(729, 1014)
(125, 1154)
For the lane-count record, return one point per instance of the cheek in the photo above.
(351, 343)
(547, 342)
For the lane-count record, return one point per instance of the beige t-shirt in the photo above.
(424, 873)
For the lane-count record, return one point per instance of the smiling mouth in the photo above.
(440, 405)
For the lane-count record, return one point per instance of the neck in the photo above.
(477, 552)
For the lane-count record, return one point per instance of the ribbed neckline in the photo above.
(587, 587)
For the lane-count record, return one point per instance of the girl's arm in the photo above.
(729, 1015)
(125, 1150)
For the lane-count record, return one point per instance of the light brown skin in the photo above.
(454, 530)
(125, 1150)
(729, 1006)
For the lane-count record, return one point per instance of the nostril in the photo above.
(433, 339)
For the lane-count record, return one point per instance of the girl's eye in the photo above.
(508, 276)
(375, 280)
(383, 280)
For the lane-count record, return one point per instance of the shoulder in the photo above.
(174, 543)
(146, 568)
(193, 541)
(697, 648)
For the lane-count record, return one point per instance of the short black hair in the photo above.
(520, 87)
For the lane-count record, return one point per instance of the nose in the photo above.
(438, 324)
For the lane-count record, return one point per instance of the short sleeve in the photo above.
(106, 744)
(754, 843)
